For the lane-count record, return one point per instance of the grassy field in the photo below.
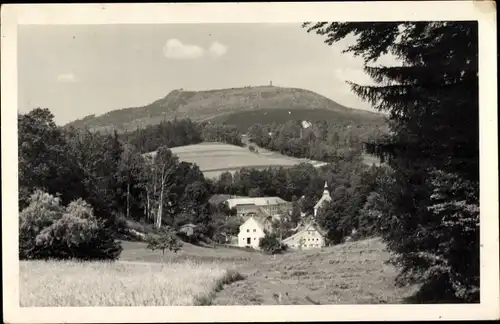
(52, 283)
(351, 273)
(216, 158)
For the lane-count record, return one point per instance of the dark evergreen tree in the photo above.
(431, 97)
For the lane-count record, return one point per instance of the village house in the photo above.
(258, 214)
(252, 230)
(325, 198)
(310, 236)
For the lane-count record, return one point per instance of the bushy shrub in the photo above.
(42, 210)
(50, 231)
(271, 244)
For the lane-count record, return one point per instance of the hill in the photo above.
(207, 105)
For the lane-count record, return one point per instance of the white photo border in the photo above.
(483, 12)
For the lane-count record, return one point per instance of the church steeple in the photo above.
(326, 192)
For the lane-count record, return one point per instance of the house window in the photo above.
(254, 230)
(248, 230)
(254, 238)
(249, 240)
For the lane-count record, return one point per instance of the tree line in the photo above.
(108, 178)
(322, 140)
(180, 132)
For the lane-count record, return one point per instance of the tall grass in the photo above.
(53, 283)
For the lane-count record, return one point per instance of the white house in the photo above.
(309, 237)
(323, 200)
(252, 231)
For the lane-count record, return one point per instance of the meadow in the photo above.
(215, 158)
(56, 283)
(350, 273)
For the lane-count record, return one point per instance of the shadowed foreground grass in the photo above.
(55, 283)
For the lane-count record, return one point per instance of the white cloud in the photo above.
(175, 49)
(66, 78)
(218, 49)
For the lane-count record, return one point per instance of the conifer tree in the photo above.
(431, 97)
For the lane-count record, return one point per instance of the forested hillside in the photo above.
(205, 105)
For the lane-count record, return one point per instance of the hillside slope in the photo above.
(244, 119)
(206, 105)
(349, 273)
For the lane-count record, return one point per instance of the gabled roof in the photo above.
(310, 226)
(257, 201)
(260, 221)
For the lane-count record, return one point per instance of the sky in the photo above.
(78, 70)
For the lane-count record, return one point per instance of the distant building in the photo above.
(248, 206)
(310, 236)
(187, 230)
(325, 198)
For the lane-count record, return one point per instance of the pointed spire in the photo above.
(326, 192)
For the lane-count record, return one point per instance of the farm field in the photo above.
(350, 273)
(215, 158)
(57, 283)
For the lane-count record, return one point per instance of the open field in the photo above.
(216, 158)
(350, 273)
(53, 283)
